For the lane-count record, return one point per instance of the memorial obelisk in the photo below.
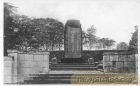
(73, 39)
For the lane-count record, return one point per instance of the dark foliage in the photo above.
(133, 44)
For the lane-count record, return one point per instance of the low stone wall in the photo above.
(120, 62)
(8, 71)
(28, 63)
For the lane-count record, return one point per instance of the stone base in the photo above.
(72, 60)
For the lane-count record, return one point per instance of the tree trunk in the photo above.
(52, 46)
(59, 46)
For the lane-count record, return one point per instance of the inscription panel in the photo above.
(73, 42)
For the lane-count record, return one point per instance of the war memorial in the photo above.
(71, 66)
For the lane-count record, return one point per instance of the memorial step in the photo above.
(49, 79)
(73, 67)
(52, 78)
(72, 60)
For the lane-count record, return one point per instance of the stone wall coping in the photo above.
(12, 51)
(8, 58)
(35, 53)
(30, 52)
(120, 53)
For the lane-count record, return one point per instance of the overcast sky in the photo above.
(114, 19)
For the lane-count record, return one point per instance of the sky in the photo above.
(114, 19)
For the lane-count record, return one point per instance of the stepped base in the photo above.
(52, 79)
(75, 72)
(49, 79)
(72, 60)
(74, 66)
(62, 73)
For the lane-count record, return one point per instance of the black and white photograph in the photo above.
(70, 41)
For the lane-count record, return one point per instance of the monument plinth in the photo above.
(73, 40)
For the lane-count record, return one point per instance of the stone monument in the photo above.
(73, 40)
